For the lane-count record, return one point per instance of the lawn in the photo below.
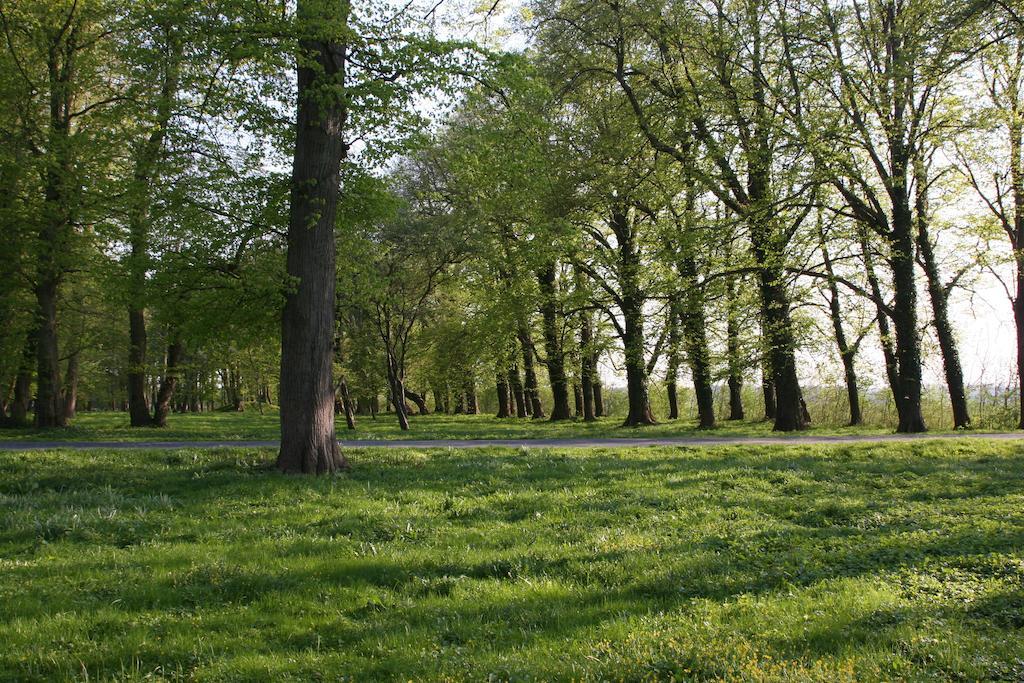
(853, 562)
(252, 425)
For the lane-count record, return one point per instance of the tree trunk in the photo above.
(471, 404)
(632, 300)
(308, 442)
(695, 335)
(515, 385)
(70, 393)
(503, 395)
(884, 330)
(49, 411)
(768, 388)
(560, 409)
(346, 403)
(172, 371)
(531, 389)
(908, 340)
(140, 198)
(397, 385)
(577, 395)
(846, 352)
(138, 402)
(419, 400)
(789, 412)
(672, 368)
(940, 310)
(732, 343)
(22, 400)
(598, 390)
(636, 366)
(439, 402)
(587, 367)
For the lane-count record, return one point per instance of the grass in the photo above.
(251, 425)
(853, 562)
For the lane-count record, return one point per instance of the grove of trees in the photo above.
(352, 208)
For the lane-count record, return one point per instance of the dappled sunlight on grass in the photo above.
(873, 562)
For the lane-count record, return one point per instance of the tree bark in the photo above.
(587, 367)
(940, 309)
(346, 403)
(308, 442)
(846, 352)
(396, 383)
(501, 385)
(577, 396)
(768, 389)
(419, 400)
(138, 402)
(908, 340)
(695, 335)
(531, 389)
(732, 342)
(631, 303)
(147, 157)
(598, 389)
(672, 367)
(471, 405)
(69, 395)
(22, 400)
(515, 384)
(560, 409)
(172, 372)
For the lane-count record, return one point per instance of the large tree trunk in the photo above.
(846, 352)
(308, 442)
(598, 389)
(940, 310)
(515, 385)
(695, 335)
(636, 366)
(172, 372)
(908, 340)
(632, 306)
(531, 389)
(789, 411)
(560, 409)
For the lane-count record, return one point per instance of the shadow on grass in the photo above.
(486, 554)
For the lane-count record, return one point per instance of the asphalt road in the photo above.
(695, 441)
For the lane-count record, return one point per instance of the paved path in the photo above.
(525, 443)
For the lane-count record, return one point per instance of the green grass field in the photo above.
(866, 562)
(252, 425)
